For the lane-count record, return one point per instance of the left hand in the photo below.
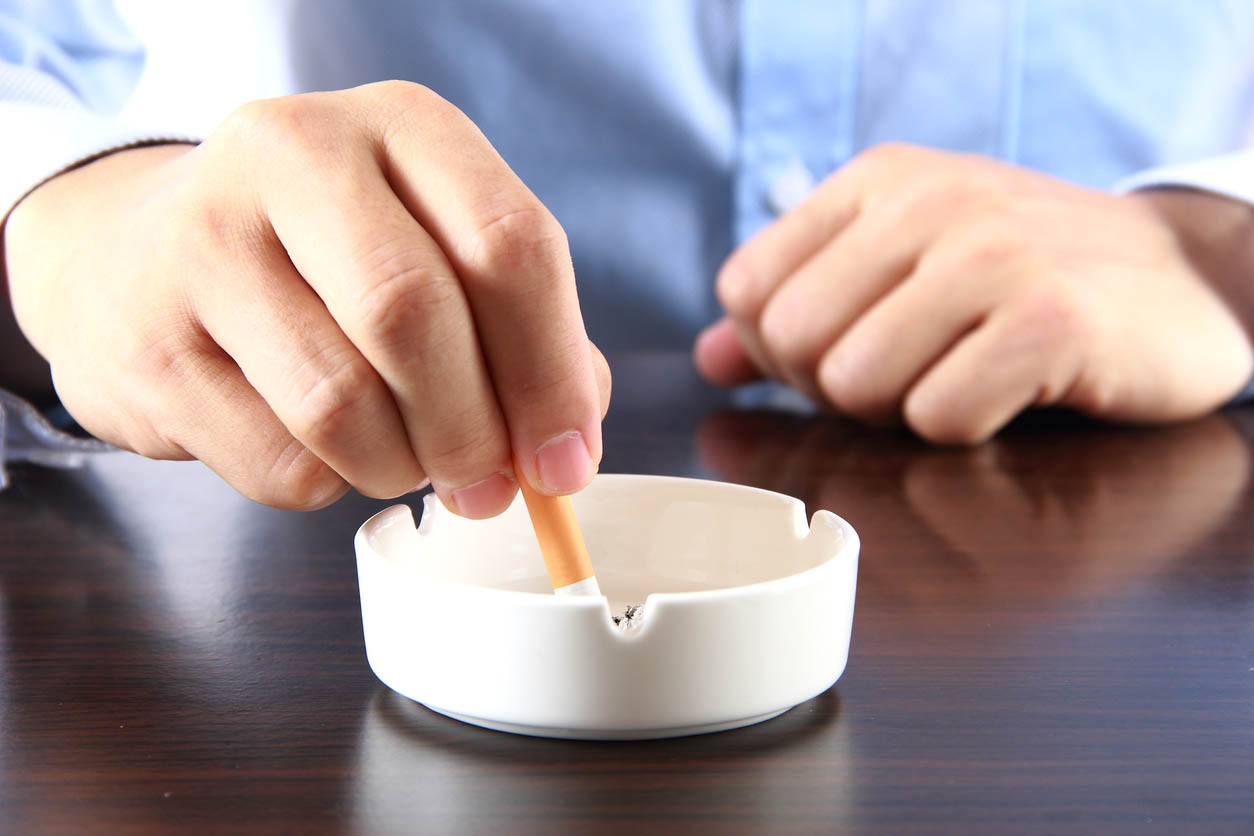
(952, 291)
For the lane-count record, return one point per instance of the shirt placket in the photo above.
(944, 73)
(798, 85)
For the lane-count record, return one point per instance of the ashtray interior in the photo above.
(747, 611)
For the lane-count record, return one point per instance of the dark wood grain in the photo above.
(1054, 634)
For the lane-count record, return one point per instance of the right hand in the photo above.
(334, 289)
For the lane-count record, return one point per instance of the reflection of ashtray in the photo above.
(745, 614)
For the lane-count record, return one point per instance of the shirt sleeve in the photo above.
(27, 435)
(1229, 175)
(66, 69)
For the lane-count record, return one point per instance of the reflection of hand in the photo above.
(1057, 511)
(335, 287)
(1086, 512)
(955, 291)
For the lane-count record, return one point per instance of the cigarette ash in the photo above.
(631, 619)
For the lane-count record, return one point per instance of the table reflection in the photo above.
(1062, 512)
(414, 765)
(1056, 623)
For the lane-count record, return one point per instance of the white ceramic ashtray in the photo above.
(746, 611)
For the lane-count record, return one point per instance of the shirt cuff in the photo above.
(42, 141)
(26, 435)
(1230, 175)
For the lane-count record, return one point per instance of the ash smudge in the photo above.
(631, 618)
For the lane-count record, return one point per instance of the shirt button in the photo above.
(790, 186)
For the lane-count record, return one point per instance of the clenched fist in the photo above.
(953, 291)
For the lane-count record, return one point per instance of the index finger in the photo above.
(513, 261)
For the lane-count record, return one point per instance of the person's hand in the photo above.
(953, 291)
(334, 289)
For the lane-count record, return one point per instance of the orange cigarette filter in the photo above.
(561, 541)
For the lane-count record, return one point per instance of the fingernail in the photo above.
(564, 463)
(486, 498)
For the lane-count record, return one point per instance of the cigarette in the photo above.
(561, 542)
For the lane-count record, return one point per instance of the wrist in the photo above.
(1216, 236)
(35, 230)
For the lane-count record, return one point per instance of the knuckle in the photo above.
(152, 444)
(555, 375)
(734, 286)
(1098, 392)
(398, 97)
(329, 405)
(516, 237)
(155, 355)
(942, 191)
(1050, 315)
(468, 441)
(887, 154)
(393, 89)
(162, 366)
(398, 308)
(208, 229)
(471, 447)
(152, 433)
(163, 354)
(778, 332)
(989, 244)
(248, 117)
(604, 378)
(1058, 325)
(287, 126)
(261, 119)
(403, 110)
(1090, 395)
(842, 383)
(297, 480)
(934, 422)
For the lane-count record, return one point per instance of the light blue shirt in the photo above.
(663, 132)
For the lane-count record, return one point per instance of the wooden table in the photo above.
(1054, 634)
